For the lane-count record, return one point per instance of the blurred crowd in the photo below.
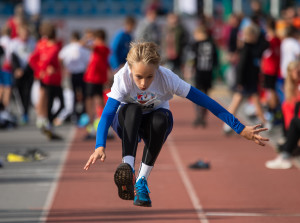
(67, 81)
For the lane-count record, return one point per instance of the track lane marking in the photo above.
(186, 181)
(57, 176)
(245, 214)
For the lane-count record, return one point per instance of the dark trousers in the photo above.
(153, 128)
(293, 136)
(52, 93)
(78, 87)
(23, 85)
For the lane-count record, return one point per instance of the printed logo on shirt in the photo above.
(148, 100)
(144, 98)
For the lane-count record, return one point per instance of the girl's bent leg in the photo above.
(130, 117)
(156, 130)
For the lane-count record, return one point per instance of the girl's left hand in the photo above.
(252, 133)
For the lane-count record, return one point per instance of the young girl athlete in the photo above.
(143, 89)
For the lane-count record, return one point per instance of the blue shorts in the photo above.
(118, 129)
(5, 78)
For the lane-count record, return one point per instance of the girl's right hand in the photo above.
(98, 154)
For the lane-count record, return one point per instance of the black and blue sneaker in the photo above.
(125, 179)
(141, 192)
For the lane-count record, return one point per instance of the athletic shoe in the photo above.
(296, 161)
(141, 192)
(200, 165)
(279, 163)
(90, 136)
(124, 179)
(199, 122)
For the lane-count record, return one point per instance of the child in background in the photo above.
(95, 77)
(247, 75)
(120, 44)
(270, 67)
(75, 58)
(21, 47)
(291, 117)
(206, 60)
(45, 61)
(143, 89)
(6, 79)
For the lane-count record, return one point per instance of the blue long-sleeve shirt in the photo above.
(194, 95)
(120, 49)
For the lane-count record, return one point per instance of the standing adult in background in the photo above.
(75, 59)
(175, 38)
(21, 48)
(148, 29)
(120, 44)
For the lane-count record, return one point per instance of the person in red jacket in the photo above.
(270, 67)
(34, 62)
(95, 77)
(46, 66)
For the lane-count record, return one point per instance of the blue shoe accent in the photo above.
(141, 192)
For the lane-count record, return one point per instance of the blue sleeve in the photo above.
(203, 100)
(106, 119)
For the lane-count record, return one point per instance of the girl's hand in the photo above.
(252, 133)
(98, 154)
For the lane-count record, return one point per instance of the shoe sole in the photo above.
(124, 180)
(142, 204)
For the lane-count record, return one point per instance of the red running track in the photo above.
(237, 188)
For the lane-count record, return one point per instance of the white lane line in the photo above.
(53, 187)
(239, 214)
(186, 181)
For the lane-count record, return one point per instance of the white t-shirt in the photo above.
(161, 90)
(23, 49)
(75, 57)
(289, 51)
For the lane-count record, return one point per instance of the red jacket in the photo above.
(96, 72)
(45, 56)
(288, 111)
(270, 63)
(34, 60)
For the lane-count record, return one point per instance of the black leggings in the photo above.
(52, 93)
(293, 135)
(24, 85)
(152, 127)
(78, 86)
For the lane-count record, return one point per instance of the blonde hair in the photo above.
(290, 86)
(251, 32)
(146, 52)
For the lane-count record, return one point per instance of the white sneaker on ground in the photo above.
(279, 163)
(227, 129)
(296, 161)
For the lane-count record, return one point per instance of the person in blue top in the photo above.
(142, 90)
(120, 44)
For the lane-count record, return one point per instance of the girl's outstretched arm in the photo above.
(107, 117)
(248, 132)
